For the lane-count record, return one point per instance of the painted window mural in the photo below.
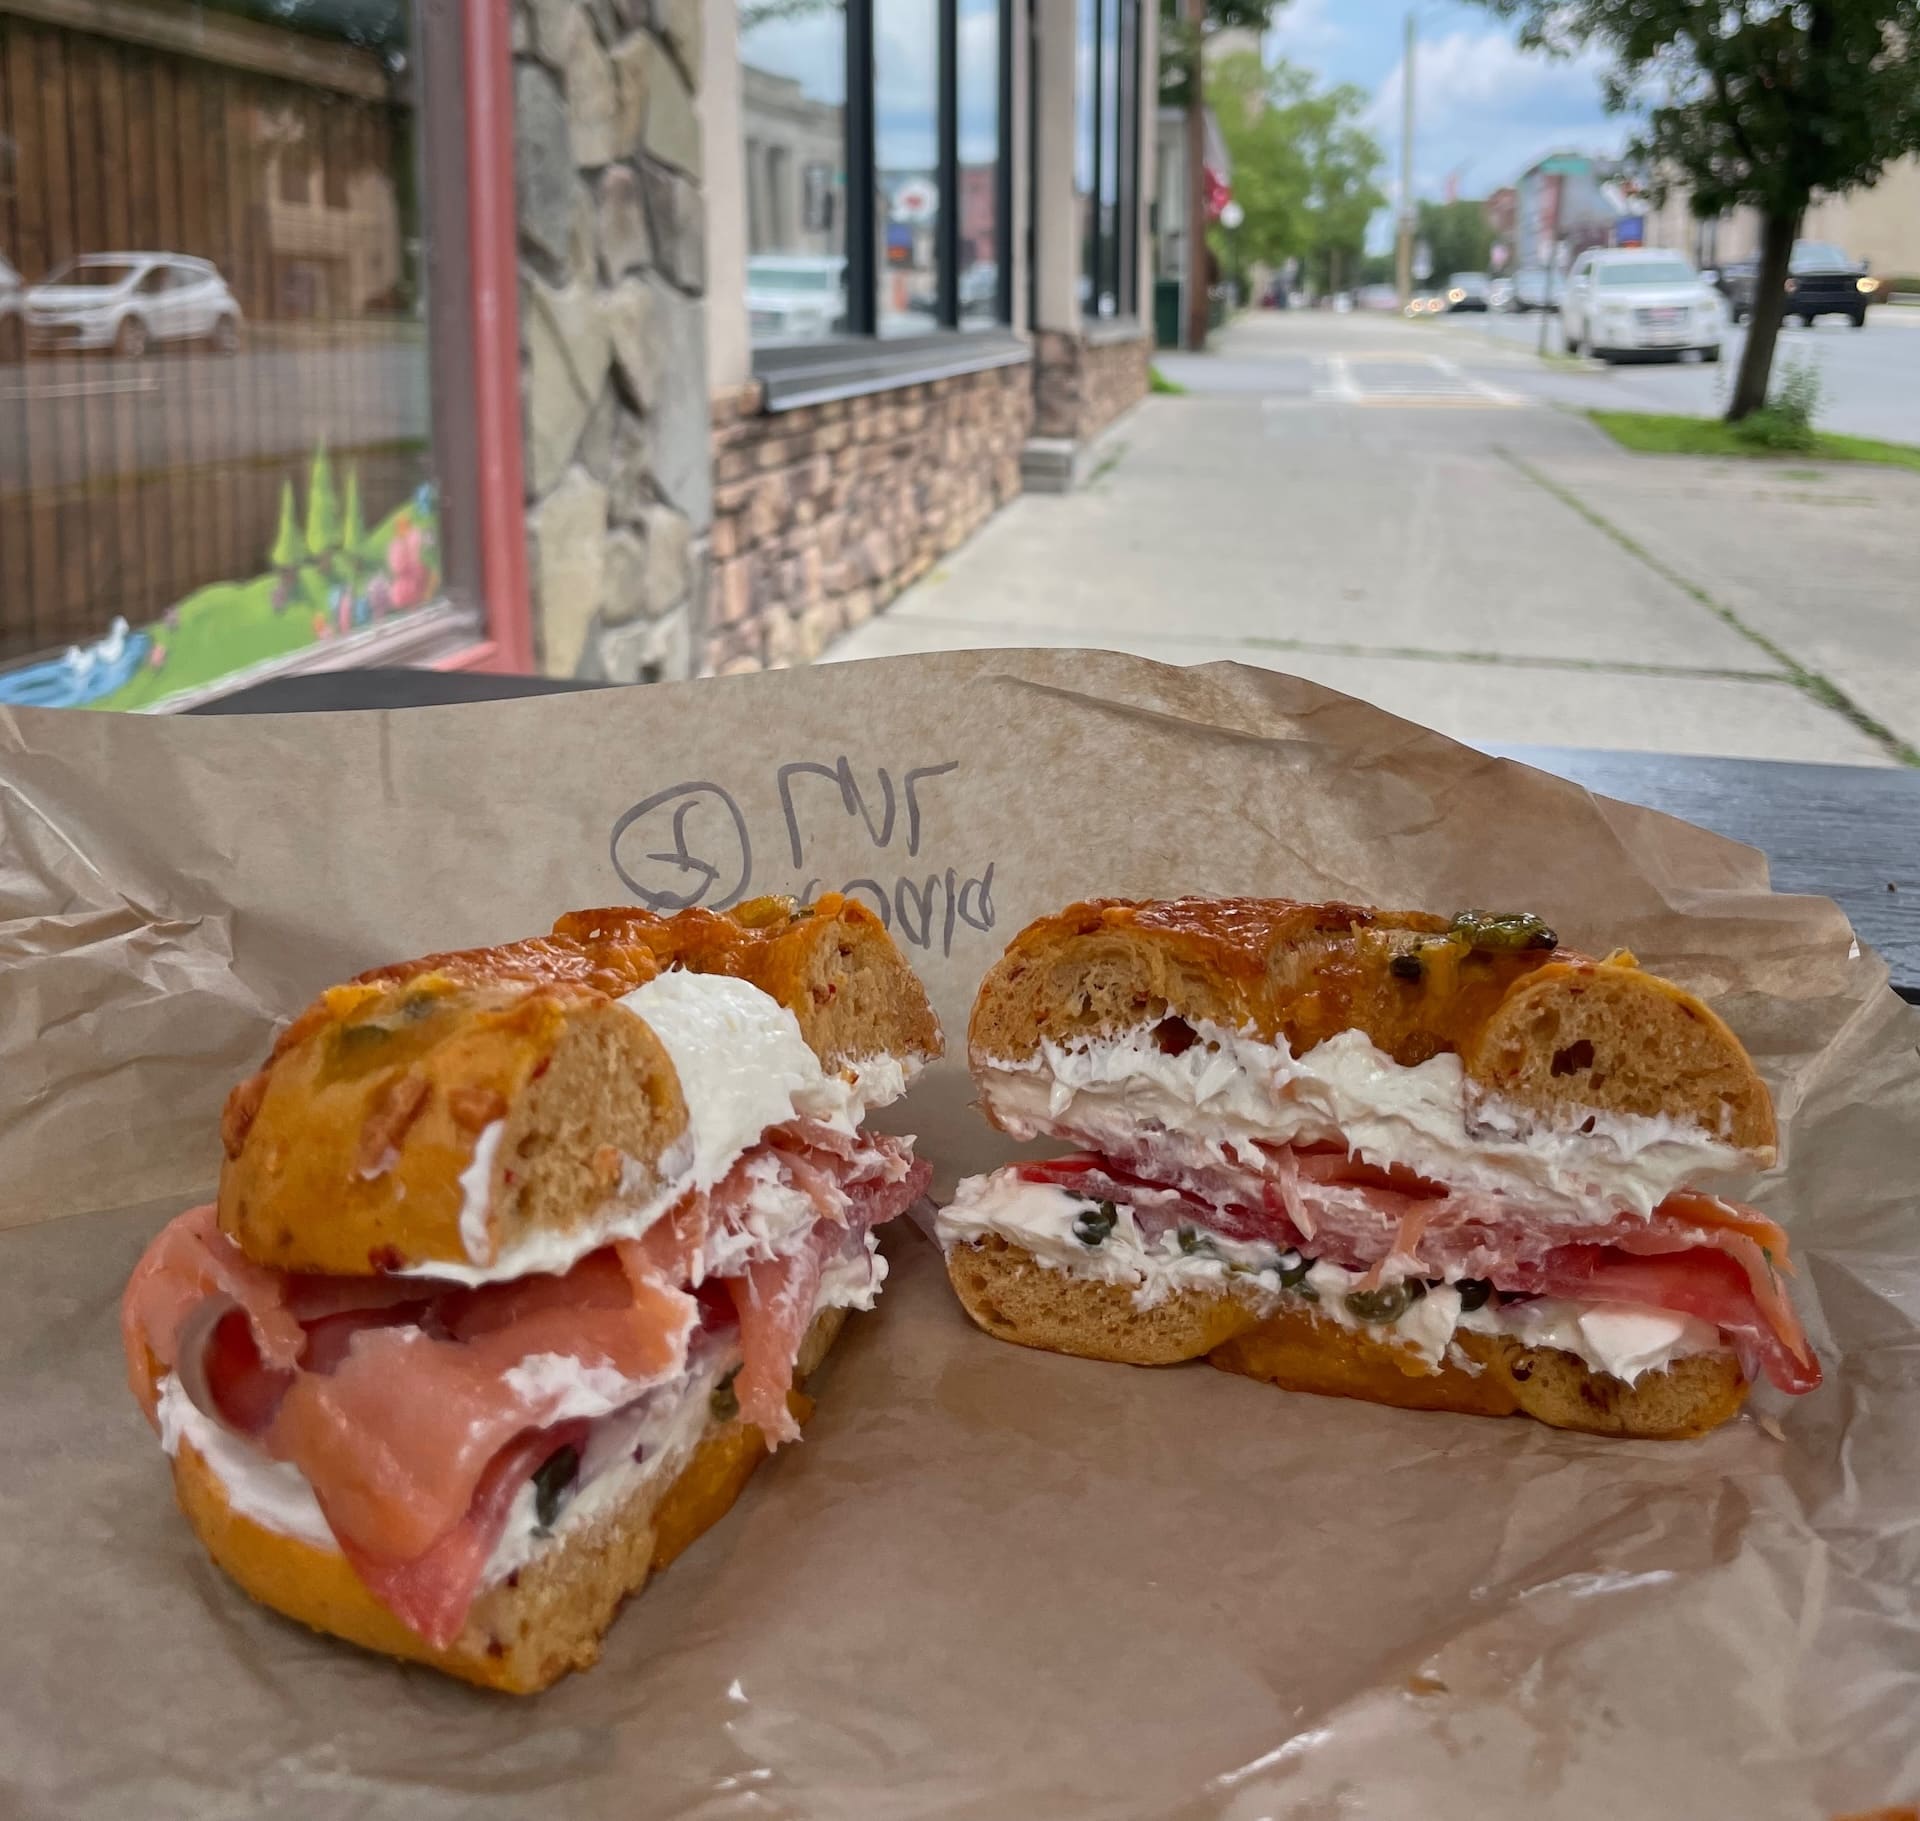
(214, 449)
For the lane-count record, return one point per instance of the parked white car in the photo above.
(130, 301)
(794, 296)
(1621, 302)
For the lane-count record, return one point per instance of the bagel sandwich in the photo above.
(1440, 1163)
(519, 1259)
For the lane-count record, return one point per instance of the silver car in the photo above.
(130, 301)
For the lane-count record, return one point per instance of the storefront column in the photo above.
(612, 225)
(1088, 368)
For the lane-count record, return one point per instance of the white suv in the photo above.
(1623, 301)
(128, 301)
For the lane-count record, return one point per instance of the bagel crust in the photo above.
(345, 1154)
(1552, 1032)
(1011, 1295)
(526, 1632)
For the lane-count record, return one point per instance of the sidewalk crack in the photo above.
(1810, 683)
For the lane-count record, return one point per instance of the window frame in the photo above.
(1115, 248)
(858, 358)
(460, 74)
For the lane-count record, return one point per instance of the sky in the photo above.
(1483, 109)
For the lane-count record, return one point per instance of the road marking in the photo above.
(1430, 382)
(82, 388)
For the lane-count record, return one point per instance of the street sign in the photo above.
(1232, 216)
(1630, 231)
(916, 201)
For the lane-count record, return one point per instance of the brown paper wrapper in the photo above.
(990, 1582)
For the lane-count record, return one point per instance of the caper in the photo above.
(352, 1039)
(1416, 1288)
(1474, 1292)
(1292, 1276)
(1092, 1227)
(1388, 1303)
(1502, 932)
(550, 1481)
(725, 1401)
(1407, 967)
(1190, 1240)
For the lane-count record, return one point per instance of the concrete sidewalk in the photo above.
(1341, 498)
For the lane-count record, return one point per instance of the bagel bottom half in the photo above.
(1011, 1295)
(526, 1632)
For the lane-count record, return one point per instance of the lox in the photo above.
(519, 1258)
(1437, 1163)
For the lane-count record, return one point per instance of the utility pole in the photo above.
(1403, 261)
(1195, 14)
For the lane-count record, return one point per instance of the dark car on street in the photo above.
(1467, 291)
(1821, 281)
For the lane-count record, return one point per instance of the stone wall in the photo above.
(612, 238)
(1082, 385)
(823, 514)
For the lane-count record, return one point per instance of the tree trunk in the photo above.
(1763, 325)
(1195, 12)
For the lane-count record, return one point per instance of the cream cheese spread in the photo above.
(1229, 1091)
(1051, 1223)
(743, 1066)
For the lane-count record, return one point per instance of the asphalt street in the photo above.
(1870, 378)
(1400, 510)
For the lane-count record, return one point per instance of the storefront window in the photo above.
(979, 301)
(214, 413)
(875, 140)
(793, 76)
(907, 199)
(1106, 155)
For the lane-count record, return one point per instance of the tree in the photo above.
(1755, 102)
(1185, 28)
(1302, 169)
(323, 510)
(1457, 235)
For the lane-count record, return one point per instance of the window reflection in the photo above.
(979, 284)
(1107, 270)
(793, 117)
(907, 199)
(213, 358)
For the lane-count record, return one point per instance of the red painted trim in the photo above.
(496, 336)
(483, 656)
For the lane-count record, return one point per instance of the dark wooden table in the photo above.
(1846, 832)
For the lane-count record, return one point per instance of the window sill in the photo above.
(425, 637)
(1105, 331)
(815, 375)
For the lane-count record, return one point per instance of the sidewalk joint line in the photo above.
(1811, 683)
(1337, 648)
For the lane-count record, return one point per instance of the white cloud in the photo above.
(1488, 109)
(1303, 31)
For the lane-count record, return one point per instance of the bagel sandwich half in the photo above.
(1434, 1162)
(519, 1258)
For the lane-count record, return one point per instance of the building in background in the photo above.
(741, 314)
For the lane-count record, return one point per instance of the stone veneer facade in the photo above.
(822, 514)
(1082, 383)
(612, 239)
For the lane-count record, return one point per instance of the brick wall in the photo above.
(1081, 386)
(821, 515)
